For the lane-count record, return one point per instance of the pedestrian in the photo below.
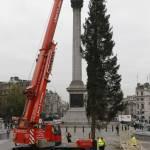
(133, 142)
(128, 126)
(135, 126)
(125, 127)
(89, 135)
(8, 133)
(122, 127)
(68, 136)
(101, 143)
(117, 129)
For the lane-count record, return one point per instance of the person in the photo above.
(125, 127)
(117, 129)
(89, 135)
(68, 136)
(135, 126)
(133, 141)
(8, 133)
(101, 143)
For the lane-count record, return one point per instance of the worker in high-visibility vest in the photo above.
(133, 141)
(101, 143)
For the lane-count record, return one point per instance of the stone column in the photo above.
(77, 71)
(76, 88)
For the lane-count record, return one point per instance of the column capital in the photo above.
(76, 3)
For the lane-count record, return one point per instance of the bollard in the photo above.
(83, 129)
(112, 128)
(74, 129)
(106, 128)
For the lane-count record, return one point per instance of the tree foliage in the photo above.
(13, 102)
(103, 83)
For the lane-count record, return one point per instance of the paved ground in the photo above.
(143, 144)
(112, 140)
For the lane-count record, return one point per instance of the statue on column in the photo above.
(76, 3)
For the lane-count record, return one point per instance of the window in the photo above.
(142, 106)
(142, 99)
(142, 112)
(142, 117)
(137, 93)
(141, 93)
(137, 106)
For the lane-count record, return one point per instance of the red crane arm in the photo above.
(36, 91)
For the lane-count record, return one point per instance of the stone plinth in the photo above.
(76, 91)
(76, 117)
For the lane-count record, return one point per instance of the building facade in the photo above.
(8, 91)
(130, 101)
(143, 102)
(5, 87)
(138, 105)
(53, 104)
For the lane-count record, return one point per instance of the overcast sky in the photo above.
(23, 24)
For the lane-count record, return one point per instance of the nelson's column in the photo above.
(76, 114)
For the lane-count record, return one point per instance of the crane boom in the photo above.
(36, 91)
(29, 130)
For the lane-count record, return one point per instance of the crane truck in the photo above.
(32, 132)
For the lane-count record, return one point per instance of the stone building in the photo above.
(131, 106)
(54, 104)
(139, 104)
(6, 89)
(6, 86)
(143, 102)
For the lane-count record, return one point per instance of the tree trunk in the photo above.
(93, 126)
(93, 129)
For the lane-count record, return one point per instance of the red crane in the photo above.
(30, 131)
